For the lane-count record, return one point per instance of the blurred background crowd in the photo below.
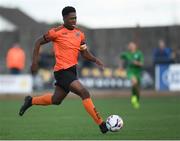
(18, 31)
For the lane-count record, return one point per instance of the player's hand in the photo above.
(34, 68)
(99, 63)
(137, 63)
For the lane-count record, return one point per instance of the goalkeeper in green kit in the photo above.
(134, 60)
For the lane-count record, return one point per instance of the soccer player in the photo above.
(67, 41)
(134, 61)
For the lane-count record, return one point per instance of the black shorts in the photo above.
(65, 77)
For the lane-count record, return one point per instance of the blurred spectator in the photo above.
(162, 54)
(15, 59)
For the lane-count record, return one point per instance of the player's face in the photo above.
(132, 47)
(161, 44)
(70, 20)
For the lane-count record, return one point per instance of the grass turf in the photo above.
(158, 118)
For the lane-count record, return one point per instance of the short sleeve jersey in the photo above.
(129, 57)
(66, 44)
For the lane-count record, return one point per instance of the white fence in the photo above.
(16, 84)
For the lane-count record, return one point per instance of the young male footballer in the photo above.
(134, 60)
(68, 41)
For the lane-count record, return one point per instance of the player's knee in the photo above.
(134, 82)
(84, 94)
(56, 101)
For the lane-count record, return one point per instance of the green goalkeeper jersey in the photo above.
(129, 58)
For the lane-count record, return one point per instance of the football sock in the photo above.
(42, 100)
(135, 97)
(135, 92)
(90, 108)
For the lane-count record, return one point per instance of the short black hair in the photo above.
(68, 9)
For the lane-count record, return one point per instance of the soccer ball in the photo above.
(114, 123)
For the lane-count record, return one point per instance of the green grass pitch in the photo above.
(158, 118)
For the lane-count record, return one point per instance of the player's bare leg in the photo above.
(44, 100)
(135, 93)
(58, 96)
(81, 91)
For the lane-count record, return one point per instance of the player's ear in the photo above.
(64, 19)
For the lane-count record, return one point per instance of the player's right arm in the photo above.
(123, 59)
(40, 41)
(123, 56)
(46, 38)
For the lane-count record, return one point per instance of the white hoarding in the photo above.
(16, 84)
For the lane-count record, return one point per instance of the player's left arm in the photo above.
(86, 54)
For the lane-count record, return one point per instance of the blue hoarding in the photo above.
(167, 77)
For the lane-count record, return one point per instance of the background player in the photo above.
(134, 61)
(68, 41)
